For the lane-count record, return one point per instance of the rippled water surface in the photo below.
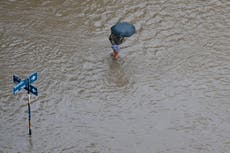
(168, 93)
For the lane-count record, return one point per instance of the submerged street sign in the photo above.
(25, 84)
(33, 77)
(20, 86)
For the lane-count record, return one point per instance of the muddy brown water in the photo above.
(168, 93)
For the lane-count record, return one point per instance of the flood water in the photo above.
(168, 93)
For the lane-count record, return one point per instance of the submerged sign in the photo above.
(21, 85)
(25, 84)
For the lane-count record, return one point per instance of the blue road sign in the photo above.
(16, 79)
(33, 77)
(26, 84)
(20, 86)
(32, 90)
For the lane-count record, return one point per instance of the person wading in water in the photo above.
(118, 32)
(115, 42)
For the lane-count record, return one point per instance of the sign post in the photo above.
(26, 84)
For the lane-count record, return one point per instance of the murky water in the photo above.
(168, 93)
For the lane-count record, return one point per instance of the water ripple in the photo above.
(168, 92)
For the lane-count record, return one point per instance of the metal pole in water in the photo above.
(29, 111)
(26, 84)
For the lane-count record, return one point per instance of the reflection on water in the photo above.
(168, 92)
(116, 74)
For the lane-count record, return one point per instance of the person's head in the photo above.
(116, 40)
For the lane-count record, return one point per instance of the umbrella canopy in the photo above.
(123, 29)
